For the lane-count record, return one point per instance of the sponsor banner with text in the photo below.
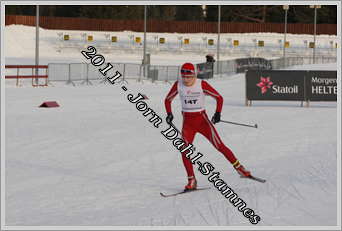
(244, 64)
(275, 85)
(321, 85)
(291, 85)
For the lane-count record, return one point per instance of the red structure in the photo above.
(49, 104)
(33, 76)
(67, 23)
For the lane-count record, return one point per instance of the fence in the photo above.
(86, 73)
(65, 23)
(231, 66)
(292, 61)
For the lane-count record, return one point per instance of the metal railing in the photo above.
(229, 67)
(86, 73)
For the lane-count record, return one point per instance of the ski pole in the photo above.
(246, 125)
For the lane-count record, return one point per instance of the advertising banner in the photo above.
(291, 85)
(321, 85)
(245, 64)
(275, 85)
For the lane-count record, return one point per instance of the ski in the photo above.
(255, 178)
(182, 192)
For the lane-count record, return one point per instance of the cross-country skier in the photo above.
(192, 92)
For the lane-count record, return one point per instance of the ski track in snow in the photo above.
(97, 161)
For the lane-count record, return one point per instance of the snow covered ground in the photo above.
(97, 161)
(20, 46)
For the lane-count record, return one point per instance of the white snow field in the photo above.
(97, 161)
(20, 46)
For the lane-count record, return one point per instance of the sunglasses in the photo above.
(187, 71)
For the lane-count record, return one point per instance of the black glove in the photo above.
(216, 117)
(169, 118)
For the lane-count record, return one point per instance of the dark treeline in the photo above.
(232, 13)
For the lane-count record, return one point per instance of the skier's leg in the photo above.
(188, 135)
(209, 131)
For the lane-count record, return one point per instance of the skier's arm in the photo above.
(209, 90)
(170, 96)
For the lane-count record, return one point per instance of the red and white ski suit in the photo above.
(195, 118)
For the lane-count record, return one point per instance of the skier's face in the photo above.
(188, 76)
(189, 80)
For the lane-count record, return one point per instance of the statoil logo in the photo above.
(266, 83)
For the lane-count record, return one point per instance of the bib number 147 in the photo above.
(190, 101)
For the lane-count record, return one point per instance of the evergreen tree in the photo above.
(67, 11)
(189, 13)
(49, 10)
(168, 12)
(229, 13)
(20, 10)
